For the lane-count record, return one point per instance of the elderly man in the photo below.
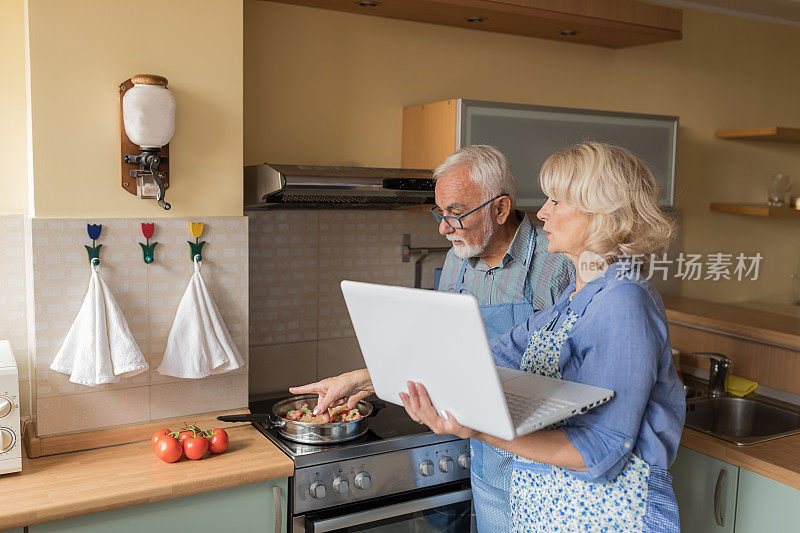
(498, 255)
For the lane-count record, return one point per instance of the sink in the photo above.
(741, 421)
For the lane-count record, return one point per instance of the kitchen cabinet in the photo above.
(747, 502)
(700, 483)
(248, 508)
(18, 530)
(528, 134)
(766, 505)
(617, 24)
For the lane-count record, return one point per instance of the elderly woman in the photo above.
(606, 469)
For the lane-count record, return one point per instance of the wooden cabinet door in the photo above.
(766, 505)
(248, 508)
(701, 484)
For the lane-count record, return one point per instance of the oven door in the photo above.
(447, 512)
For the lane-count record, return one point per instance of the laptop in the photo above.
(438, 339)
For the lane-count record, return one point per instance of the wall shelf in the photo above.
(769, 133)
(757, 210)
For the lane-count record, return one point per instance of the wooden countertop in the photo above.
(757, 324)
(79, 483)
(777, 459)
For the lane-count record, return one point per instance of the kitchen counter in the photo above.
(777, 459)
(758, 324)
(79, 483)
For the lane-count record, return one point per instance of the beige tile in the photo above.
(276, 367)
(366, 246)
(195, 396)
(224, 269)
(92, 410)
(25, 397)
(13, 301)
(60, 278)
(338, 355)
(283, 276)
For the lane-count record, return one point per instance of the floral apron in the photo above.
(549, 498)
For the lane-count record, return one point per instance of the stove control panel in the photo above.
(378, 475)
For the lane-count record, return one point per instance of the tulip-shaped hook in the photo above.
(196, 247)
(148, 250)
(94, 233)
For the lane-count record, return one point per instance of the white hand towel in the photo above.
(199, 343)
(99, 347)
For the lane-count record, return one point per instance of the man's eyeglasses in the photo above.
(455, 222)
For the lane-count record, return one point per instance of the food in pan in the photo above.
(337, 414)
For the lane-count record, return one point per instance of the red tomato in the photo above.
(157, 435)
(168, 449)
(183, 435)
(195, 447)
(218, 442)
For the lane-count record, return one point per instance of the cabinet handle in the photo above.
(717, 495)
(276, 496)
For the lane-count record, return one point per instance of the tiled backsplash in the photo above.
(299, 327)
(148, 296)
(13, 320)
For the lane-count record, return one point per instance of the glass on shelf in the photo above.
(778, 186)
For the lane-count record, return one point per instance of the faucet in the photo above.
(718, 368)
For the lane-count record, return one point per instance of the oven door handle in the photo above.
(390, 511)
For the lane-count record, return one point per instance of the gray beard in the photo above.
(465, 251)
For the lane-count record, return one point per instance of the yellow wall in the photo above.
(81, 50)
(13, 146)
(328, 88)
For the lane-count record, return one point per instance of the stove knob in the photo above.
(445, 464)
(464, 461)
(317, 490)
(363, 481)
(426, 468)
(341, 485)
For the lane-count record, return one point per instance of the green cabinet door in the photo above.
(18, 530)
(766, 505)
(248, 508)
(703, 484)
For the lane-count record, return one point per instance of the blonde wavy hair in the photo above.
(619, 192)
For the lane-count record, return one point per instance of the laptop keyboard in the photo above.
(524, 410)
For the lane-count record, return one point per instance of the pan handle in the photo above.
(377, 405)
(275, 421)
(240, 418)
(271, 420)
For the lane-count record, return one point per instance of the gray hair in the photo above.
(488, 168)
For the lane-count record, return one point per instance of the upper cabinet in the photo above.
(528, 134)
(610, 23)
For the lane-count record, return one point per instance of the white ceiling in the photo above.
(777, 11)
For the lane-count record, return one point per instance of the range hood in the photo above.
(271, 186)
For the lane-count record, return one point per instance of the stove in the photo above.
(398, 473)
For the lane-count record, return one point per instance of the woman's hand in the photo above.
(419, 407)
(350, 387)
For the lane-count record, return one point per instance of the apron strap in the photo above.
(527, 290)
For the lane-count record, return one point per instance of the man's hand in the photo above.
(350, 388)
(419, 407)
